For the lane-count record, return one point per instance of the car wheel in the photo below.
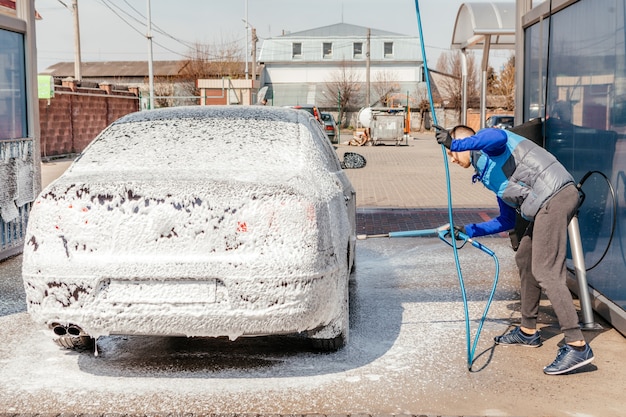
(334, 336)
(76, 342)
(329, 345)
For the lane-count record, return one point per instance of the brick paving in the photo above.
(375, 221)
(404, 188)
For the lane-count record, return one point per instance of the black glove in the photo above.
(443, 136)
(457, 230)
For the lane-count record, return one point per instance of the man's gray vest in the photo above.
(525, 176)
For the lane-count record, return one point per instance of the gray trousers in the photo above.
(540, 259)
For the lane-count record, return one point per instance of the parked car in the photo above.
(196, 221)
(500, 121)
(330, 127)
(311, 108)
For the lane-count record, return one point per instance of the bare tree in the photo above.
(344, 84)
(164, 91)
(212, 61)
(505, 84)
(451, 87)
(385, 86)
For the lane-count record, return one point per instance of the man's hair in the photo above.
(461, 132)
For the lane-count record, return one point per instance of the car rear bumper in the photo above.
(210, 308)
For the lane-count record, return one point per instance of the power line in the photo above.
(108, 6)
(155, 26)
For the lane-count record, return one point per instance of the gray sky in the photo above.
(113, 30)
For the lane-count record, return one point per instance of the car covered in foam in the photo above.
(201, 221)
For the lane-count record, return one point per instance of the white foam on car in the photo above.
(235, 207)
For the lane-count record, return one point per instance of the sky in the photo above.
(115, 30)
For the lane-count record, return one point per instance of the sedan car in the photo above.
(196, 221)
(500, 121)
(310, 108)
(330, 127)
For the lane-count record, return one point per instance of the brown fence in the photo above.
(75, 115)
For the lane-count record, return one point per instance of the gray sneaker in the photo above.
(516, 338)
(569, 359)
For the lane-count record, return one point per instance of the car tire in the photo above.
(336, 341)
(329, 345)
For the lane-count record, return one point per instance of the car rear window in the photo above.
(216, 145)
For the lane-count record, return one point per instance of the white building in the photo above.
(299, 66)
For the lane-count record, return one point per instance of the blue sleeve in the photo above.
(491, 141)
(504, 222)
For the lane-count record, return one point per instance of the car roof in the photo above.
(218, 112)
(215, 140)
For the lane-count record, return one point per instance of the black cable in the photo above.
(614, 222)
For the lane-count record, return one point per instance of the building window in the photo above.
(327, 50)
(357, 50)
(388, 50)
(12, 86)
(296, 50)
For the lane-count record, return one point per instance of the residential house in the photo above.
(300, 67)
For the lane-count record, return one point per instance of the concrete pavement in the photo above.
(404, 188)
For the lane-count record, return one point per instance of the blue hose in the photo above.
(471, 347)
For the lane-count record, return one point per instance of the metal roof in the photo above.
(475, 21)
(339, 30)
(115, 69)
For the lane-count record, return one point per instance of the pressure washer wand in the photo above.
(407, 233)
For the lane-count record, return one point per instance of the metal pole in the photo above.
(254, 41)
(246, 38)
(464, 86)
(25, 10)
(483, 91)
(367, 69)
(150, 66)
(77, 63)
(339, 106)
(578, 258)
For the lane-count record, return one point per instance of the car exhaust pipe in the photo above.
(74, 330)
(59, 330)
(69, 330)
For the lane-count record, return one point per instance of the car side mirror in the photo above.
(353, 160)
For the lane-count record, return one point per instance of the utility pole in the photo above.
(367, 69)
(77, 73)
(74, 10)
(254, 41)
(246, 20)
(150, 66)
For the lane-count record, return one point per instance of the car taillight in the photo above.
(329, 127)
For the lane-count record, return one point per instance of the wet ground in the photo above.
(407, 354)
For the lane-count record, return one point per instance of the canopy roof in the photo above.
(475, 21)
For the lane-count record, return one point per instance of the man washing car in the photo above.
(527, 179)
